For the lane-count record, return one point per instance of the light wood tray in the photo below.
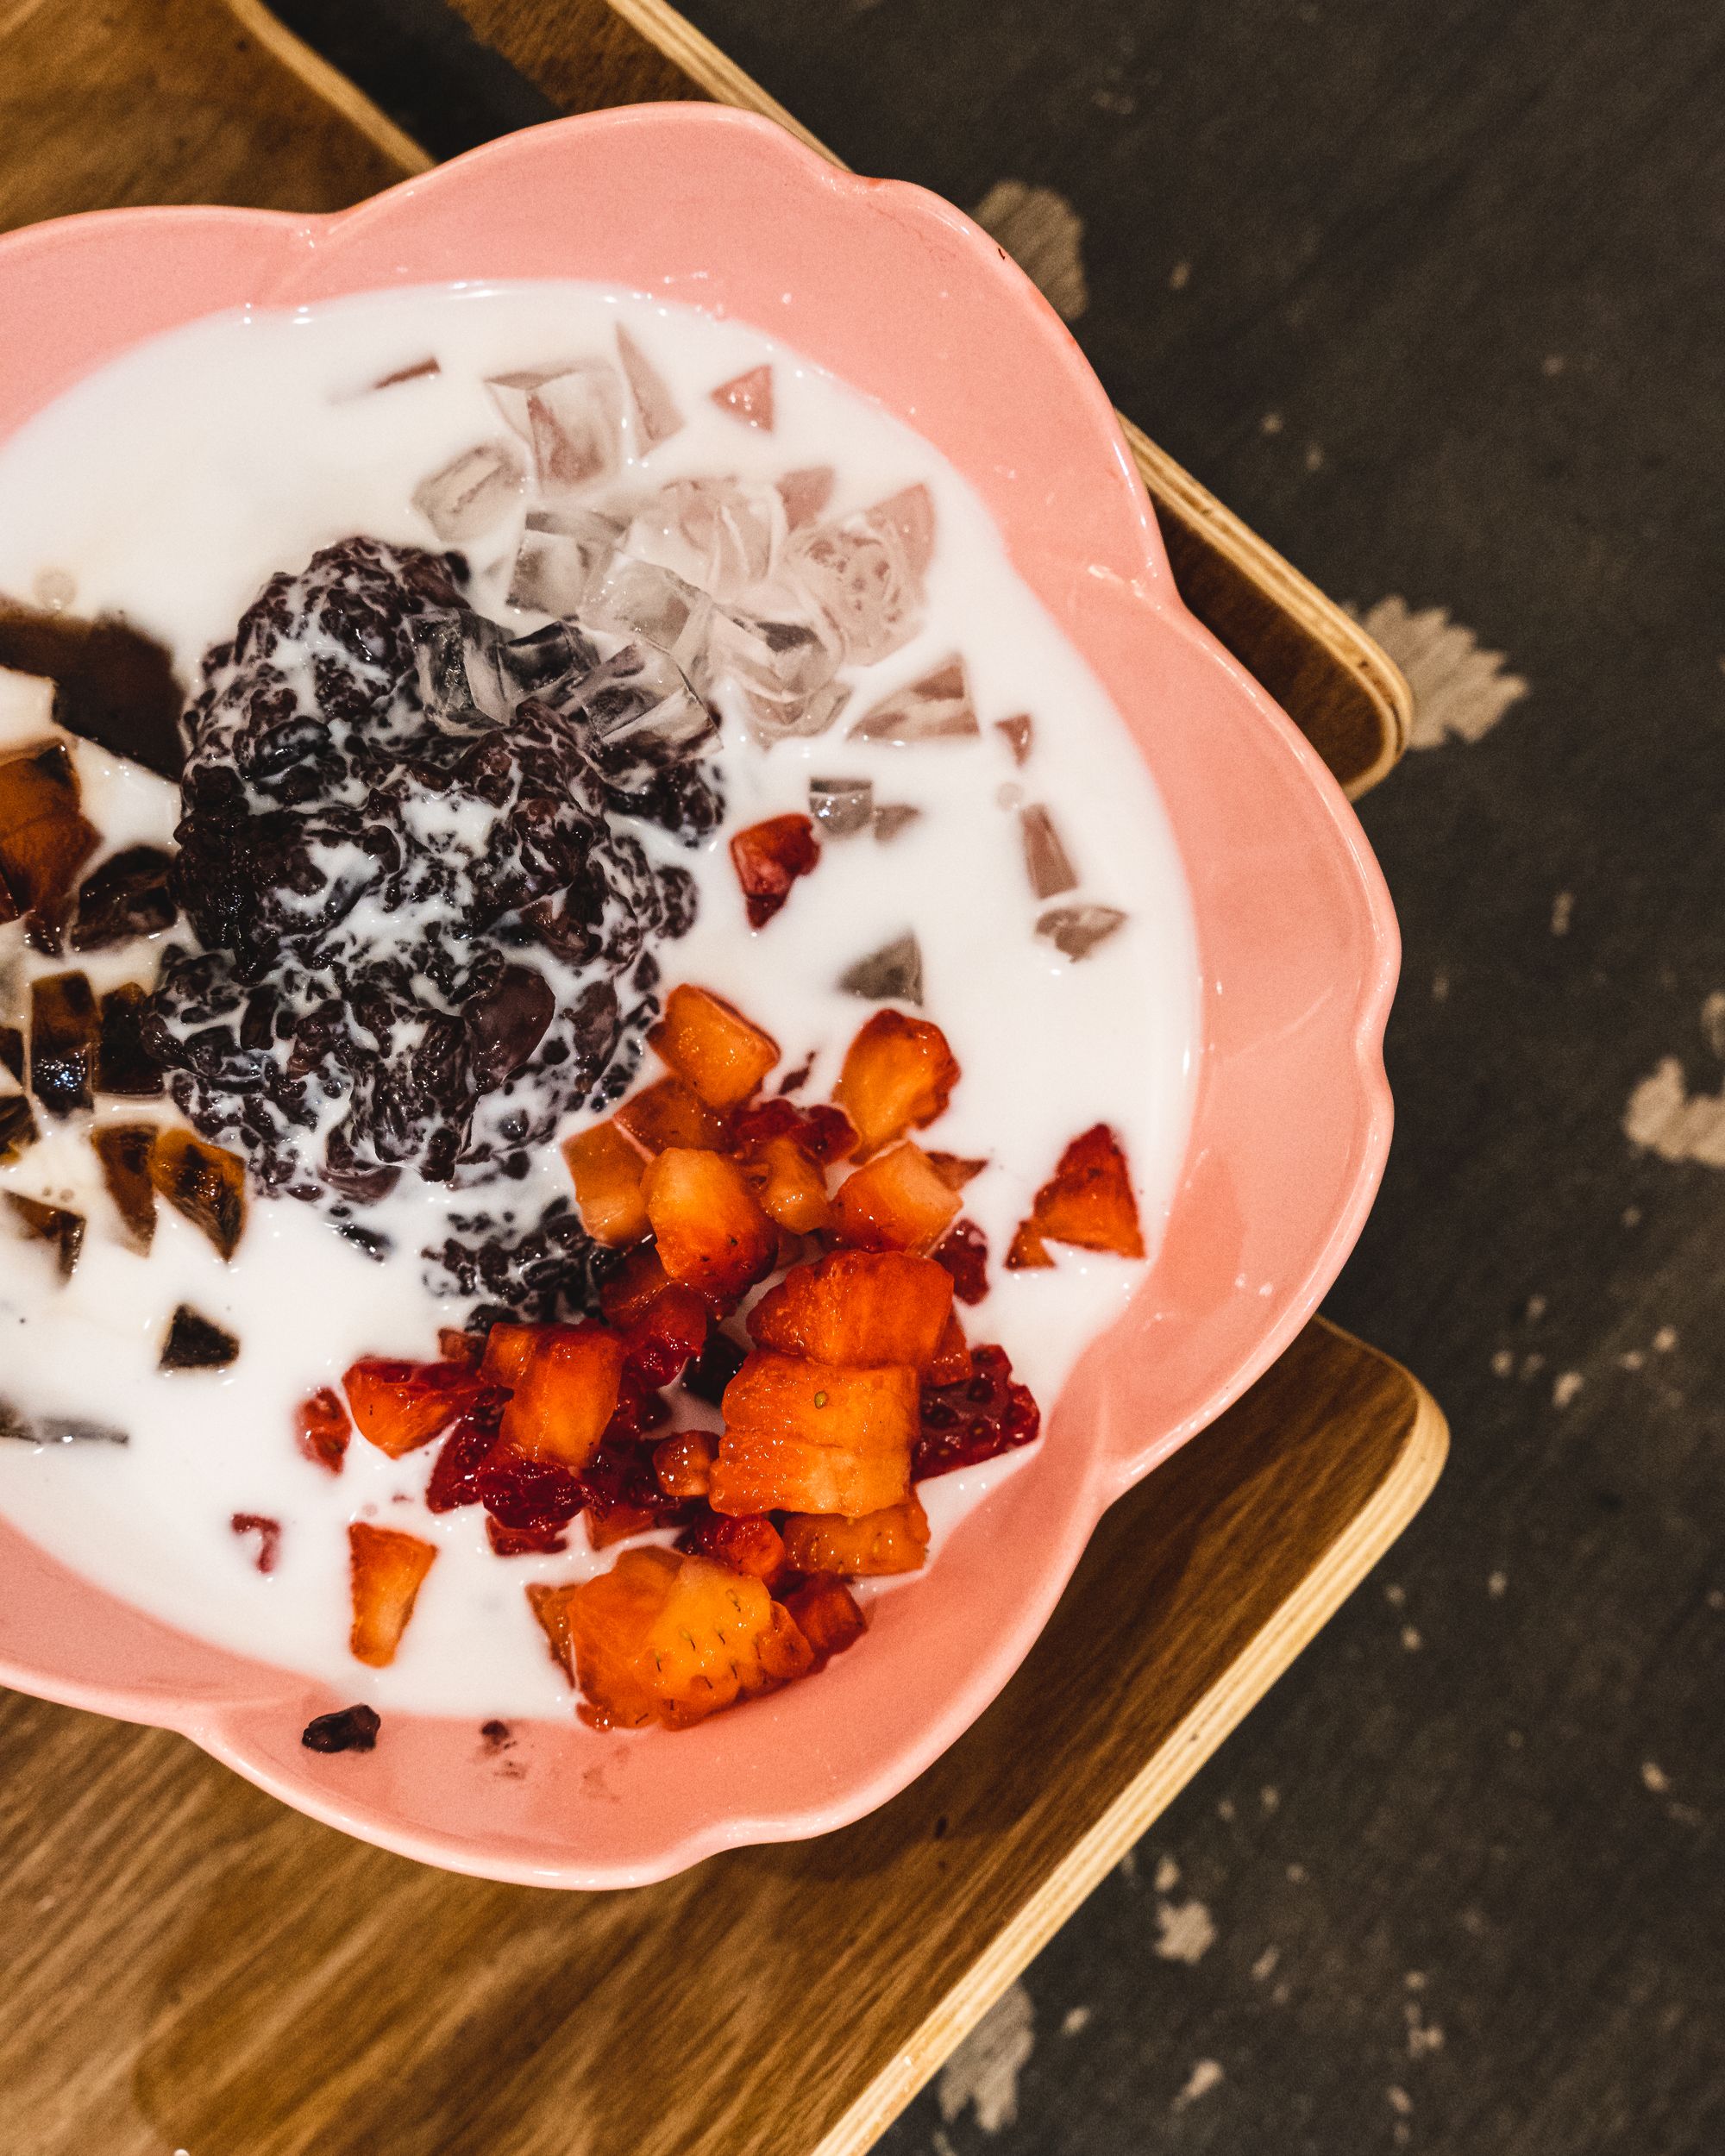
(191, 1966)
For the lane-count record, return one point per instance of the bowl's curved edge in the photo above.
(306, 241)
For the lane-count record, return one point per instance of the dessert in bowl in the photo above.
(732, 1023)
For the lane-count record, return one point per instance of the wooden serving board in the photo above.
(191, 1966)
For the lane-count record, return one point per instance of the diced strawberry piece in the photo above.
(709, 1043)
(508, 1350)
(683, 1463)
(676, 1638)
(668, 1113)
(622, 1495)
(399, 1405)
(768, 858)
(859, 1307)
(789, 1187)
(635, 1285)
(455, 1346)
(952, 1361)
(751, 1543)
(895, 1541)
(988, 1413)
(824, 1133)
(324, 1429)
(524, 1541)
(387, 1570)
(898, 1075)
(1088, 1202)
(814, 1437)
(550, 1607)
(964, 1254)
(896, 1202)
(827, 1615)
(455, 1473)
(639, 1408)
(566, 1395)
(668, 1333)
(710, 1233)
(268, 1533)
(525, 1493)
(605, 1169)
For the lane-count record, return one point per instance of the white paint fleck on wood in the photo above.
(1664, 1118)
(1044, 235)
(1563, 911)
(1400, 2101)
(1184, 1931)
(1167, 1875)
(982, 2074)
(1075, 2020)
(1503, 1363)
(1423, 2036)
(1654, 1777)
(1411, 1640)
(1497, 1586)
(1460, 691)
(1204, 2077)
(1568, 1385)
(1664, 1339)
(1264, 1967)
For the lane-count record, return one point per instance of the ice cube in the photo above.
(841, 806)
(749, 398)
(911, 516)
(806, 493)
(642, 599)
(546, 661)
(891, 974)
(61, 1230)
(1020, 734)
(657, 415)
(471, 496)
(563, 555)
(784, 670)
(859, 576)
(571, 416)
(639, 695)
(1076, 931)
(194, 1343)
(459, 671)
(723, 534)
(18, 1130)
(936, 708)
(890, 821)
(1046, 862)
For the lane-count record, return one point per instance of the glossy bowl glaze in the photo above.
(906, 300)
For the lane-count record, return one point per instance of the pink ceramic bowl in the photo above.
(908, 301)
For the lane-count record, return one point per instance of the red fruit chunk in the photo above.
(674, 1639)
(683, 1463)
(668, 1113)
(813, 1436)
(525, 1493)
(709, 1043)
(988, 1414)
(455, 1473)
(623, 1495)
(508, 1350)
(550, 1607)
(827, 1615)
(894, 1540)
(896, 1202)
(898, 1075)
(397, 1407)
(324, 1429)
(635, 1285)
(751, 1543)
(789, 1187)
(953, 1361)
(749, 398)
(523, 1542)
(605, 1169)
(667, 1336)
(1088, 1202)
(858, 1308)
(768, 858)
(387, 1569)
(566, 1395)
(824, 1134)
(710, 1232)
(964, 1254)
(268, 1533)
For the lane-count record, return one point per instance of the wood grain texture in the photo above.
(1343, 692)
(193, 1966)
